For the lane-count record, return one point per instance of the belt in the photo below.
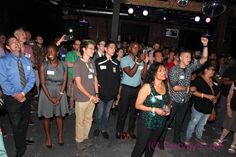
(130, 86)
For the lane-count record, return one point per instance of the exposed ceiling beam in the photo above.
(170, 4)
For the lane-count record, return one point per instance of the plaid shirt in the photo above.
(182, 77)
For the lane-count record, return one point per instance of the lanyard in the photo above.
(89, 66)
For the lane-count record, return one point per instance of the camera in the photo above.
(68, 37)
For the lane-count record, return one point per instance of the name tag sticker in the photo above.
(102, 67)
(159, 97)
(50, 72)
(215, 83)
(27, 55)
(181, 77)
(114, 69)
(90, 76)
(140, 68)
(28, 67)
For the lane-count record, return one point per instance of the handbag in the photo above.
(212, 116)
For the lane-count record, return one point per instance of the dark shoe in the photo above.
(125, 136)
(132, 135)
(96, 132)
(31, 122)
(182, 145)
(49, 146)
(105, 134)
(20, 154)
(161, 146)
(61, 144)
(118, 135)
(29, 140)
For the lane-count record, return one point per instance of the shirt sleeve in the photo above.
(68, 57)
(173, 77)
(195, 65)
(6, 86)
(124, 63)
(76, 70)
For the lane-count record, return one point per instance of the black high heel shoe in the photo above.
(49, 146)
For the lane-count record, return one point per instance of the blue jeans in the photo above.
(197, 120)
(103, 111)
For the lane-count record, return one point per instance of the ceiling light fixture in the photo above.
(197, 19)
(145, 12)
(182, 3)
(208, 20)
(130, 10)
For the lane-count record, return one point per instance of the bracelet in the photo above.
(61, 93)
(202, 95)
(23, 93)
(137, 63)
(205, 46)
(153, 110)
(187, 89)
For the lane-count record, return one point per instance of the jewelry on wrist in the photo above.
(23, 93)
(187, 91)
(205, 46)
(153, 110)
(202, 95)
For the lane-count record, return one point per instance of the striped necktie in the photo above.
(22, 74)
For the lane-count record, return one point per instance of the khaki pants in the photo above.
(83, 121)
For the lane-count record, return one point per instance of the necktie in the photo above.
(22, 74)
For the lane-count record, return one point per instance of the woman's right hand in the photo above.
(161, 112)
(210, 97)
(55, 101)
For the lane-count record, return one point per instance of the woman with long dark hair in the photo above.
(152, 101)
(203, 100)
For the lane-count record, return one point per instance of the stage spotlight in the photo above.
(70, 30)
(197, 19)
(208, 20)
(164, 18)
(145, 12)
(130, 10)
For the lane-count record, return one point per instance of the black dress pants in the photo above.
(19, 114)
(127, 103)
(178, 112)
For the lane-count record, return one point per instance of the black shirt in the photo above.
(108, 74)
(231, 74)
(204, 105)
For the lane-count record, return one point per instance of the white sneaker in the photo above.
(201, 141)
(187, 142)
(217, 143)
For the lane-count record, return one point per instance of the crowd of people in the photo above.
(154, 85)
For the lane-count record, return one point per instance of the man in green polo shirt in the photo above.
(71, 58)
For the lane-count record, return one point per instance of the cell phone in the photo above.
(68, 37)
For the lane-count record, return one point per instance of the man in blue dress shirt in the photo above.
(17, 79)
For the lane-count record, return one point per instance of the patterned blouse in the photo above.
(152, 120)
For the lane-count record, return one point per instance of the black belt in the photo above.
(130, 86)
